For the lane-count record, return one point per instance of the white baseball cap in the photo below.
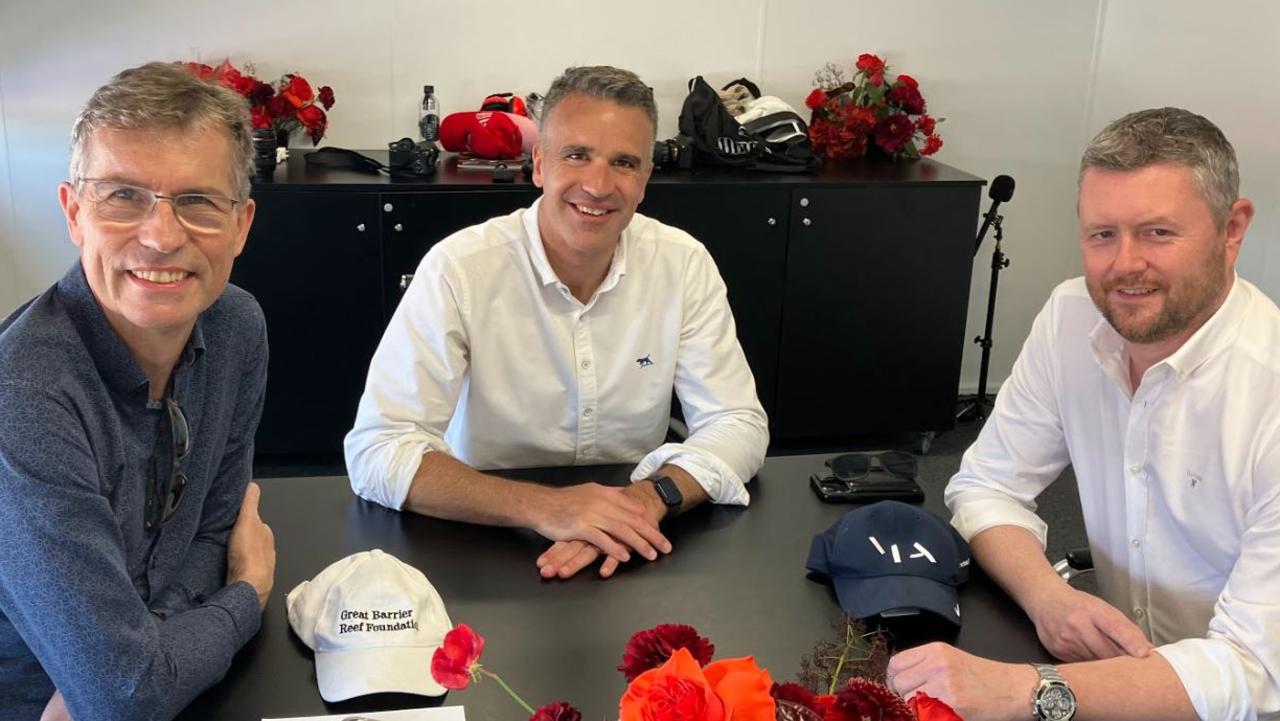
(374, 623)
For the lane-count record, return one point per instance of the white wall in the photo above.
(1022, 86)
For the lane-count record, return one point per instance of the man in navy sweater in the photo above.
(133, 563)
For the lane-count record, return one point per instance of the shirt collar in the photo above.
(538, 253)
(1214, 336)
(112, 358)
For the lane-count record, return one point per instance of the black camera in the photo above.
(408, 159)
(674, 152)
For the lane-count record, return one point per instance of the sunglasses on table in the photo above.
(165, 483)
(857, 466)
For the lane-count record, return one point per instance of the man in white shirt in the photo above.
(1156, 377)
(554, 336)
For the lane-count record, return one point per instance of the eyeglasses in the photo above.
(856, 466)
(124, 203)
(163, 502)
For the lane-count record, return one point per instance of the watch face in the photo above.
(1057, 703)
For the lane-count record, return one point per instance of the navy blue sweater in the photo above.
(127, 623)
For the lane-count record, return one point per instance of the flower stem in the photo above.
(508, 689)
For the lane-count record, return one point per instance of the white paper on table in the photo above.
(440, 713)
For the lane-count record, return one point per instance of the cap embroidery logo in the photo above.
(644, 362)
(922, 552)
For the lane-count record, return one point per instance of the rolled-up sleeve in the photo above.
(1020, 450)
(415, 379)
(728, 430)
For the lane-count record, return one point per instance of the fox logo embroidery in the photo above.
(644, 362)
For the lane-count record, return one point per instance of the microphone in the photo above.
(1001, 192)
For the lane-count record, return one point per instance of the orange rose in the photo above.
(679, 690)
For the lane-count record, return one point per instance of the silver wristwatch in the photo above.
(1053, 699)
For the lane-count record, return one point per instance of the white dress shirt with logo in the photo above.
(491, 359)
(1178, 481)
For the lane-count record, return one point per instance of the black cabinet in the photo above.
(314, 262)
(849, 288)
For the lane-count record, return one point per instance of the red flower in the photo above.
(928, 708)
(679, 690)
(261, 118)
(894, 132)
(932, 144)
(280, 108)
(926, 124)
(873, 66)
(557, 711)
(297, 90)
(907, 98)
(454, 662)
(200, 70)
(315, 121)
(816, 99)
(909, 82)
(325, 96)
(261, 93)
(651, 648)
(864, 698)
(794, 693)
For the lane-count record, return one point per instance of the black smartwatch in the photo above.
(669, 492)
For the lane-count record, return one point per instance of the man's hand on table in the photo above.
(567, 557)
(976, 688)
(251, 548)
(1077, 626)
(591, 520)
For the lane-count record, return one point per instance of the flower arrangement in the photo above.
(671, 677)
(868, 112)
(285, 106)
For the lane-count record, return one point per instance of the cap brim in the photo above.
(865, 597)
(392, 669)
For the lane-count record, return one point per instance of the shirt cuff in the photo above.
(1213, 674)
(977, 511)
(240, 601)
(720, 481)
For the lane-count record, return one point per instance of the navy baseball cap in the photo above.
(890, 557)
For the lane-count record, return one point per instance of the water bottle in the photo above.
(429, 114)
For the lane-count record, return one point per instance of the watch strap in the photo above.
(669, 492)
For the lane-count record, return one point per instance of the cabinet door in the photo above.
(314, 263)
(745, 230)
(874, 313)
(413, 222)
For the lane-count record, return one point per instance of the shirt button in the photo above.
(586, 412)
(1136, 543)
(1139, 612)
(586, 364)
(1135, 469)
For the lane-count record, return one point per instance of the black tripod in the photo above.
(1001, 191)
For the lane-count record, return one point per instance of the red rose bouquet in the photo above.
(285, 106)
(671, 677)
(869, 112)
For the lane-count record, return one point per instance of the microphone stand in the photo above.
(977, 407)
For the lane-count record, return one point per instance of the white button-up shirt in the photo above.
(491, 359)
(1178, 481)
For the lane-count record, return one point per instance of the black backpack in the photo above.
(720, 140)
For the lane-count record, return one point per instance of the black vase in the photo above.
(264, 153)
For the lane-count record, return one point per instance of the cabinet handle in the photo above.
(405, 280)
(804, 202)
(360, 227)
(399, 227)
(773, 221)
(388, 208)
(806, 221)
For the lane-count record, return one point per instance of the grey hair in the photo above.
(601, 82)
(165, 96)
(1171, 135)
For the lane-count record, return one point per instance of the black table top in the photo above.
(736, 574)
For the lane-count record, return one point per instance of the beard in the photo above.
(1191, 300)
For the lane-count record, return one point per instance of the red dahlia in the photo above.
(652, 647)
